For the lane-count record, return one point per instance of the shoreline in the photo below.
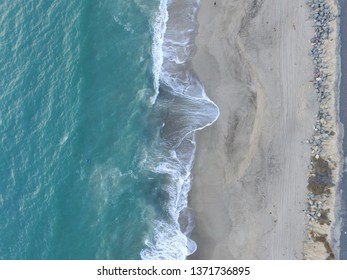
(247, 203)
(182, 108)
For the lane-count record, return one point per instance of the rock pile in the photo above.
(320, 179)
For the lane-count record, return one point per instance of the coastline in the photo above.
(249, 183)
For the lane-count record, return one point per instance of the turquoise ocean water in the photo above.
(98, 108)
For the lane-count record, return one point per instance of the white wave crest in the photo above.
(159, 29)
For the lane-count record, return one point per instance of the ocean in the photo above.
(98, 109)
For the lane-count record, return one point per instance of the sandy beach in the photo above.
(250, 174)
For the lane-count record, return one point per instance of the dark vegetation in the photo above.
(323, 239)
(321, 181)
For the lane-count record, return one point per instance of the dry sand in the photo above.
(250, 173)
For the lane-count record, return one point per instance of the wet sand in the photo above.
(251, 168)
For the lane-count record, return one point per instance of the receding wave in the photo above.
(182, 108)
